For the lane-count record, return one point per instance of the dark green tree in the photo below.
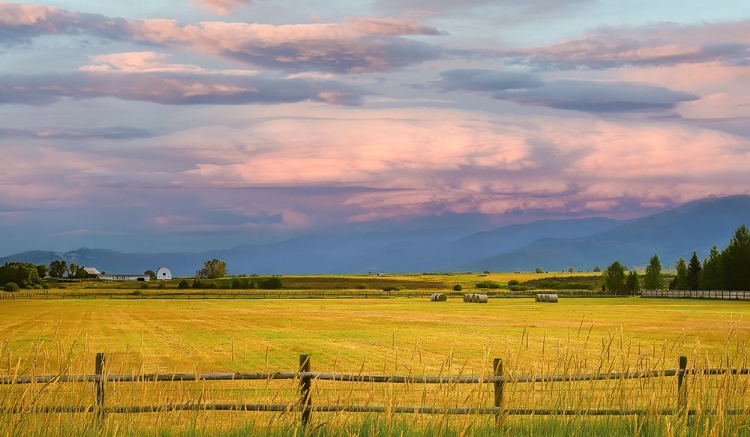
(183, 284)
(597, 269)
(151, 274)
(57, 268)
(680, 279)
(42, 270)
(711, 278)
(654, 279)
(72, 270)
(271, 283)
(614, 277)
(736, 261)
(20, 273)
(694, 269)
(633, 282)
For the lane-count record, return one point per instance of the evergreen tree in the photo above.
(736, 261)
(693, 273)
(680, 280)
(633, 282)
(711, 278)
(654, 280)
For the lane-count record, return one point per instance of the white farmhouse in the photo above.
(163, 274)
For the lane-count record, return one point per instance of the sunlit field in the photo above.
(396, 336)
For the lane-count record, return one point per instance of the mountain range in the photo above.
(548, 244)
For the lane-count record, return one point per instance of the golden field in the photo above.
(394, 336)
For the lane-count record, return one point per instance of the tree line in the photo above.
(728, 269)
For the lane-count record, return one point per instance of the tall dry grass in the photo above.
(717, 405)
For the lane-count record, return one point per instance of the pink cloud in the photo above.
(355, 45)
(151, 62)
(423, 161)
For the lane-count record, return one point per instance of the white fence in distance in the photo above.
(698, 294)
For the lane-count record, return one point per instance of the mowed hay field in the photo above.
(384, 336)
(239, 334)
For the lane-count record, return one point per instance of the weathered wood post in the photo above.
(681, 384)
(498, 372)
(99, 384)
(305, 383)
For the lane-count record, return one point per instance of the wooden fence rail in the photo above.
(304, 403)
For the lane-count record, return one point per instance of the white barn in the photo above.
(163, 274)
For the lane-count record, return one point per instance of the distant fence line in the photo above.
(698, 294)
(304, 402)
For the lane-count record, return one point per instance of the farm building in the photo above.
(92, 272)
(163, 274)
(118, 277)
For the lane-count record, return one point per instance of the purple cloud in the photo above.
(172, 89)
(662, 44)
(485, 80)
(598, 97)
(576, 95)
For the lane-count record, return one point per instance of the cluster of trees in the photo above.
(725, 270)
(15, 275)
(61, 269)
(617, 282)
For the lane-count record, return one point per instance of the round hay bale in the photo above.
(432, 297)
(553, 298)
(538, 297)
(481, 298)
(440, 297)
(466, 297)
(475, 297)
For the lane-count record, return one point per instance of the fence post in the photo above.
(681, 384)
(498, 371)
(305, 383)
(99, 370)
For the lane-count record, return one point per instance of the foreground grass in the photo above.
(396, 336)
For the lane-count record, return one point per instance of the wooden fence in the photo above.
(304, 402)
(698, 294)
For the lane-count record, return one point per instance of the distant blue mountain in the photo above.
(548, 244)
(695, 226)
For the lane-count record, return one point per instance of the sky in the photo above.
(189, 125)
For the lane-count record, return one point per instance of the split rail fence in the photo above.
(304, 403)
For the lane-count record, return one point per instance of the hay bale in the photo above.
(466, 297)
(438, 297)
(546, 297)
(538, 297)
(481, 298)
